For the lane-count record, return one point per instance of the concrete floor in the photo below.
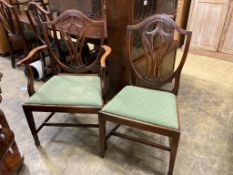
(206, 145)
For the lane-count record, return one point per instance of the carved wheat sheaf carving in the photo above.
(71, 31)
(151, 45)
(157, 37)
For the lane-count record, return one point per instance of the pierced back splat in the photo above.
(152, 39)
(71, 31)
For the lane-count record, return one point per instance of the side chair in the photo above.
(74, 89)
(146, 104)
(15, 34)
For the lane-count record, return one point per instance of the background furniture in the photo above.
(182, 14)
(11, 158)
(212, 24)
(15, 33)
(153, 110)
(79, 91)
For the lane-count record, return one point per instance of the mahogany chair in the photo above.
(11, 158)
(145, 104)
(74, 89)
(15, 34)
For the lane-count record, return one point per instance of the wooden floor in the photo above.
(206, 145)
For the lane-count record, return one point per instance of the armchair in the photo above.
(74, 88)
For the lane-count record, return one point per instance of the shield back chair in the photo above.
(15, 34)
(37, 15)
(73, 89)
(148, 106)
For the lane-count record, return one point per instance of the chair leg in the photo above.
(32, 126)
(174, 146)
(102, 135)
(12, 58)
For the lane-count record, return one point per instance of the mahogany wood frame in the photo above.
(12, 29)
(172, 134)
(30, 108)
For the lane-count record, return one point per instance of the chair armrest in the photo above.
(28, 59)
(108, 50)
(103, 72)
(31, 56)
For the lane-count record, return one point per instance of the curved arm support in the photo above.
(31, 56)
(107, 51)
(28, 59)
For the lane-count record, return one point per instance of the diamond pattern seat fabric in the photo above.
(150, 106)
(69, 90)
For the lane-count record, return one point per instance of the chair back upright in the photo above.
(148, 43)
(37, 15)
(75, 30)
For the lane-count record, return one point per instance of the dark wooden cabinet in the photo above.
(121, 13)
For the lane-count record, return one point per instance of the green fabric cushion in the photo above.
(151, 106)
(69, 90)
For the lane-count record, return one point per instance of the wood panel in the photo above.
(206, 22)
(226, 44)
(182, 18)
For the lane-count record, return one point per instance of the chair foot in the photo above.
(102, 154)
(32, 126)
(174, 147)
(37, 142)
(102, 135)
(13, 63)
(170, 173)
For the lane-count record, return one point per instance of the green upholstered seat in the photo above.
(69, 90)
(151, 106)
